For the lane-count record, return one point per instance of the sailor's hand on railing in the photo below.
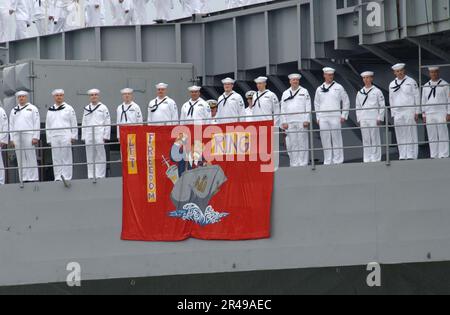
(73, 141)
(35, 141)
(379, 122)
(343, 120)
(105, 140)
(306, 125)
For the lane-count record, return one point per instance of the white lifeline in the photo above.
(3, 141)
(334, 101)
(434, 97)
(163, 110)
(231, 105)
(404, 97)
(297, 104)
(98, 116)
(94, 12)
(195, 112)
(62, 116)
(371, 106)
(128, 114)
(25, 118)
(266, 106)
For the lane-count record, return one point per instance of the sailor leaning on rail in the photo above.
(96, 118)
(436, 113)
(370, 113)
(404, 97)
(162, 109)
(61, 115)
(332, 105)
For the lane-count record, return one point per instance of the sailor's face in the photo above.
(213, 111)
(58, 98)
(250, 101)
(127, 97)
(23, 99)
(434, 75)
(161, 93)
(295, 83)
(329, 77)
(400, 73)
(228, 87)
(195, 95)
(368, 80)
(94, 98)
(261, 86)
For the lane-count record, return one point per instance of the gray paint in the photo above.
(336, 216)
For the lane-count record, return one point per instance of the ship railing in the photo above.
(313, 131)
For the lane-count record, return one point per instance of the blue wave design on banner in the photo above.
(191, 212)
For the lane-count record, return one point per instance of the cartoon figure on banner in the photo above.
(195, 183)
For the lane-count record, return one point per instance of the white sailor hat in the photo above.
(93, 91)
(162, 86)
(250, 94)
(126, 91)
(22, 93)
(367, 74)
(58, 92)
(261, 80)
(433, 68)
(294, 76)
(398, 66)
(228, 81)
(212, 103)
(328, 70)
(194, 88)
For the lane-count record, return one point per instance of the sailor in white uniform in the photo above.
(97, 119)
(94, 12)
(371, 106)
(4, 137)
(22, 9)
(332, 104)
(128, 112)
(196, 110)
(162, 110)
(436, 113)
(121, 12)
(230, 104)
(39, 15)
(213, 105)
(140, 16)
(404, 97)
(249, 109)
(266, 105)
(25, 117)
(5, 22)
(295, 120)
(163, 8)
(61, 115)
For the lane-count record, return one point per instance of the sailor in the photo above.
(163, 8)
(295, 120)
(3, 141)
(4, 20)
(128, 112)
(194, 6)
(196, 110)
(162, 110)
(436, 113)
(96, 119)
(231, 106)
(140, 12)
(73, 18)
(266, 104)
(121, 12)
(404, 97)
(249, 109)
(22, 10)
(60, 14)
(24, 125)
(62, 131)
(94, 13)
(40, 11)
(332, 105)
(213, 105)
(370, 105)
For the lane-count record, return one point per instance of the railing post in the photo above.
(311, 140)
(388, 146)
(20, 160)
(93, 155)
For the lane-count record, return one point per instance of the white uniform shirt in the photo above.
(128, 114)
(231, 105)
(163, 110)
(25, 118)
(3, 126)
(435, 93)
(94, 16)
(404, 93)
(249, 114)
(370, 104)
(293, 102)
(333, 99)
(118, 11)
(22, 9)
(96, 116)
(61, 117)
(195, 111)
(266, 103)
(41, 9)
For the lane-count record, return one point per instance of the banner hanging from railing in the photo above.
(207, 182)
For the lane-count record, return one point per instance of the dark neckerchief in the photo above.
(363, 92)
(91, 111)
(292, 95)
(398, 86)
(191, 108)
(433, 89)
(57, 109)
(327, 89)
(225, 99)
(258, 97)
(155, 107)
(17, 109)
(125, 111)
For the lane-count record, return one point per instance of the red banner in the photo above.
(210, 182)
